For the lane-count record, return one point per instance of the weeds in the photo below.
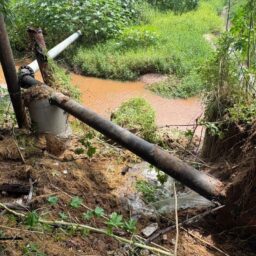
(138, 116)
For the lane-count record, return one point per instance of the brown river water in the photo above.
(104, 96)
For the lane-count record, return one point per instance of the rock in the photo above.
(149, 230)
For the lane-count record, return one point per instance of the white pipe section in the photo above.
(56, 50)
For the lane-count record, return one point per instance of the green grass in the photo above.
(138, 116)
(167, 43)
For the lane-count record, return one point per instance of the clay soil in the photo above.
(98, 182)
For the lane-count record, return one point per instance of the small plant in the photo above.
(32, 219)
(161, 176)
(97, 212)
(130, 225)
(149, 191)
(87, 142)
(79, 151)
(138, 116)
(32, 250)
(137, 37)
(63, 215)
(115, 221)
(53, 200)
(76, 202)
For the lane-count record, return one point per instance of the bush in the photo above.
(178, 6)
(138, 116)
(98, 19)
(138, 36)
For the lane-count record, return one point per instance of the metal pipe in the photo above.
(55, 51)
(9, 69)
(40, 50)
(200, 182)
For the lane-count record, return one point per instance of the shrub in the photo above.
(138, 116)
(138, 36)
(98, 19)
(178, 6)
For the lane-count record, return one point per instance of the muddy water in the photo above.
(104, 96)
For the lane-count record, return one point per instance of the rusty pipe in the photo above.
(9, 69)
(58, 49)
(200, 182)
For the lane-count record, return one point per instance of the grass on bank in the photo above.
(166, 43)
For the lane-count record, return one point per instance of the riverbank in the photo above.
(105, 96)
(166, 43)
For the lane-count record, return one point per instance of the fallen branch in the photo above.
(93, 229)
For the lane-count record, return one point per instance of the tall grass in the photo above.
(176, 45)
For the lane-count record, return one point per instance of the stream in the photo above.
(104, 96)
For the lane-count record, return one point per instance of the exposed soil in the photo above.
(98, 181)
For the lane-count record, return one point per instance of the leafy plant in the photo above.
(115, 221)
(178, 6)
(161, 176)
(97, 212)
(87, 142)
(88, 215)
(63, 215)
(79, 151)
(32, 219)
(148, 190)
(53, 200)
(32, 250)
(76, 202)
(98, 19)
(130, 225)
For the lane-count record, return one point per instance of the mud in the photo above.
(104, 96)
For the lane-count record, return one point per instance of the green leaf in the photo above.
(99, 212)
(63, 215)
(76, 202)
(79, 151)
(85, 232)
(91, 151)
(115, 221)
(32, 219)
(53, 200)
(130, 225)
(88, 215)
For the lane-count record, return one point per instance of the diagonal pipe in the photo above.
(200, 182)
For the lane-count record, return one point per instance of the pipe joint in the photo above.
(25, 71)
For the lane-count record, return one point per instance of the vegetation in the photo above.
(230, 81)
(98, 19)
(138, 116)
(178, 6)
(62, 81)
(167, 43)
